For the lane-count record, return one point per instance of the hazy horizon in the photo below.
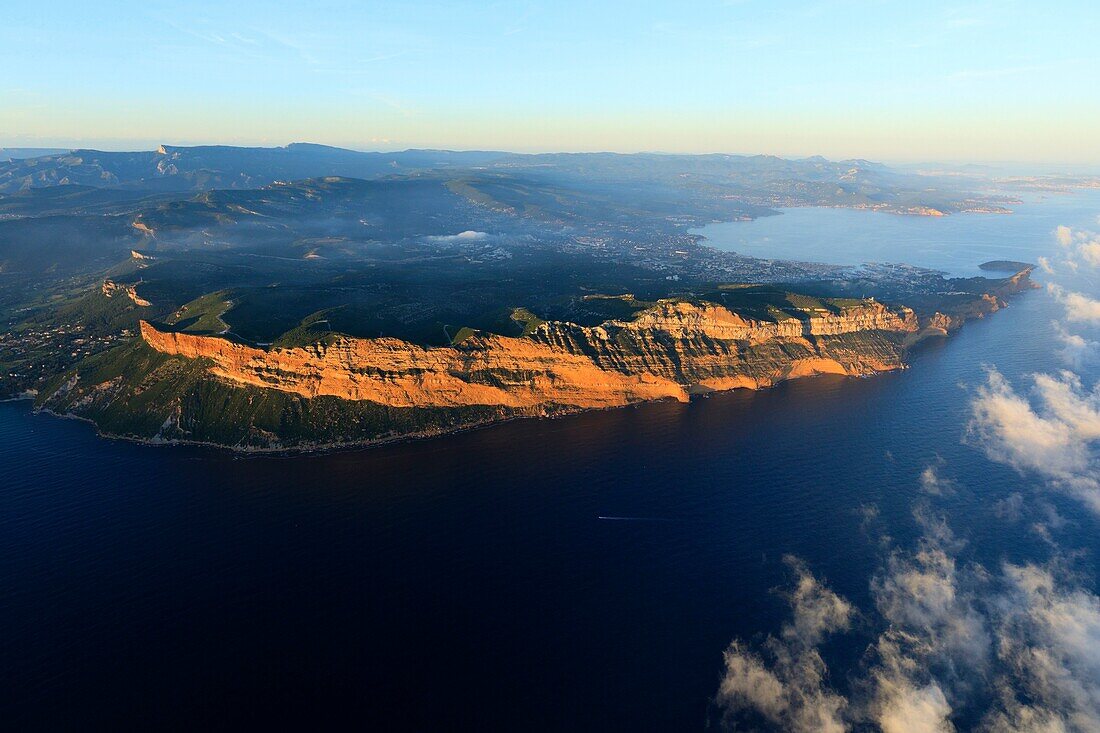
(994, 82)
(1006, 167)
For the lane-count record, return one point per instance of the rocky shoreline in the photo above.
(173, 388)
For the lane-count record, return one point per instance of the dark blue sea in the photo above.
(583, 573)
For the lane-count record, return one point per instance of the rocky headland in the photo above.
(174, 386)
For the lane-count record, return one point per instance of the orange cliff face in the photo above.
(668, 351)
(110, 288)
(485, 370)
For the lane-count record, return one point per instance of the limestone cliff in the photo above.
(668, 351)
(175, 386)
(962, 307)
(110, 288)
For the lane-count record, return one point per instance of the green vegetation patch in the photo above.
(768, 302)
(528, 320)
(203, 315)
(622, 307)
(313, 328)
(463, 333)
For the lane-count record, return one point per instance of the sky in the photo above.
(999, 80)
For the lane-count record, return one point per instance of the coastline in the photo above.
(943, 327)
(318, 448)
(29, 394)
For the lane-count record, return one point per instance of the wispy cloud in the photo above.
(936, 642)
(1017, 647)
(1077, 351)
(316, 51)
(519, 23)
(1055, 435)
(1081, 246)
(934, 483)
(1080, 308)
(728, 39)
(974, 15)
(1048, 641)
(1017, 70)
(394, 104)
(785, 682)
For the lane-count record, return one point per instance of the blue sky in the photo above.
(1011, 80)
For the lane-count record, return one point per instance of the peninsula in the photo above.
(305, 296)
(170, 385)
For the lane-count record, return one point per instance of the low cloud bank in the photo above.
(1020, 641)
(1054, 432)
(1077, 351)
(1081, 247)
(785, 683)
(1080, 308)
(467, 236)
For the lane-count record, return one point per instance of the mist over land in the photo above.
(550, 366)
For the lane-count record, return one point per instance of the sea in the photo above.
(581, 573)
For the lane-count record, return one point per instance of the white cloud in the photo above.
(1066, 398)
(1064, 235)
(817, 610)
(467, 236)
(1079, 307)
(1048, 643)
(789, 690)
(1024, 643)
(1014, 717)
(1083, 247)
(1056, 437)
(935, 644)
(1090, 252)
(902, 707)
(1045, 266)
(935, 484)
(1077, 352)
(1010, 431)
(1011, 508)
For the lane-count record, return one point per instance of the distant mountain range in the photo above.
(561, 188)
(170, 168)
(7, 154)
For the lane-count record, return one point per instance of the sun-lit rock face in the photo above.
(484, 370)
(110, 288)
(669, 351)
